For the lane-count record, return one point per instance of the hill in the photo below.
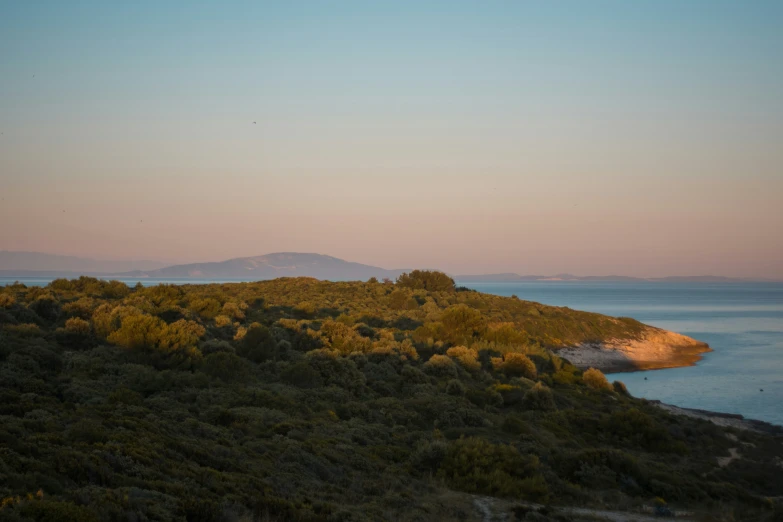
(305, 400)
(271, 266)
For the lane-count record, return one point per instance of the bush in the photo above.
(46, 307)
(467, 357)
(539, 397)
(619, 387)
(475, 465)
(7, 300)
(455, 387)
(301, 375)
(595, 379)
(258, 345)
(440, 366)
(428, 455)
(515, 365)
(225, 366)
(78, 326)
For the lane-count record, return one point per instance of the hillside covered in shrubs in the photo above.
(298, 399)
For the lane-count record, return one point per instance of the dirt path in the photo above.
(725, 461)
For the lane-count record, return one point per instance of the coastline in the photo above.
(655, 349)
(729, 420)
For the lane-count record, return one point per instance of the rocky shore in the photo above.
(654, 349)
(731, 420)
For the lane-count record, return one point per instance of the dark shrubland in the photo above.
(298, 399)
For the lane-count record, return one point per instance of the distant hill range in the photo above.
(508, 277)
(270, 266)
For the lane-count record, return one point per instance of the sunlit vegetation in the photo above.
(298, 399)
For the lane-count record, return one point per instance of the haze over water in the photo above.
(742, 322)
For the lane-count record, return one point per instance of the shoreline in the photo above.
(655, 349)
(730, 420)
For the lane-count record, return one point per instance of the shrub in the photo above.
(620, 388)
(207, 308)
(539, 397)
(24, 330)
(595, 379)
(258, 345)
(76, 334)
(440, 366)
(7, 300)
(225, 366)
(455, 387)
(515, 365)
(428, 455)
(80, 308)
(302, 375)
(46, 307)
(475, 465)
(222, 321)
(181, 335)
(466, 357)
(215, 346)
(77, 326)
(138, 332)
(234, 310)
(564, 377)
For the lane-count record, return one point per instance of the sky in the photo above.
(636, 138)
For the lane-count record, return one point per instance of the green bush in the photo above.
(595, 379)
(475, 465)
(539, 397)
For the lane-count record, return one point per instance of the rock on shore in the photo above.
(654, 349)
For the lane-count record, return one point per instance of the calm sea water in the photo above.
(742, 322)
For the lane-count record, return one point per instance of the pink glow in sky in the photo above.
(649, 143)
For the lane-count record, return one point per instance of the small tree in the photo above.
(430, 280)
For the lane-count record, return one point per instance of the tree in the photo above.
(429, 280)
(258, 345)
(139, 332)
(462, 324)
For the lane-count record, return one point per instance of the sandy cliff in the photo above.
(655, 349)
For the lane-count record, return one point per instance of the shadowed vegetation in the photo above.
(298, 399)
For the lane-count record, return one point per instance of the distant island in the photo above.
(482, 278)
(272, 266)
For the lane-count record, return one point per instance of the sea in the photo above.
(742, 323)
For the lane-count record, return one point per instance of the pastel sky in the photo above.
(606, 137)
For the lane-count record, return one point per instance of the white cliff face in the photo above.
(654, 349)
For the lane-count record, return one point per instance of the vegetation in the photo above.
(298, 399)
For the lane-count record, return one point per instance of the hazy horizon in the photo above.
(612, 138)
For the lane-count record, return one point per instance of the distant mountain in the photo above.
(271, 266)
(44, 265)
(507, 277)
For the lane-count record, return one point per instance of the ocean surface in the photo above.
(742, 322)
